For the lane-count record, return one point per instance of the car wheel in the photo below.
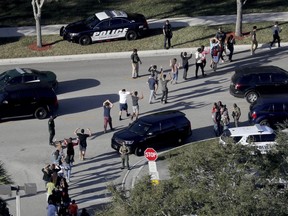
(41, 113)
(251, 97)
(139, 151)
(265, 122)
(131, 35)
(84, 40)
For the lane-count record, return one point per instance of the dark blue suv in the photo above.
(269, 110)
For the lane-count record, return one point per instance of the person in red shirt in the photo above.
(73, 208)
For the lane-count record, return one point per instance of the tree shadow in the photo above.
(76, 85)
(8, 40)
(85, 103)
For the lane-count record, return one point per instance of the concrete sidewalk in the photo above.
(158, 23)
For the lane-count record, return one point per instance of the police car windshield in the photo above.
(91, 21)
(139, 128)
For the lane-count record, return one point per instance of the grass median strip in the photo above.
(187, 37)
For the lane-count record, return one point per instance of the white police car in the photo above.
(106, 25)
(261, 136)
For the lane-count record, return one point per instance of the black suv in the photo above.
(26, 100)
(252, 82)
(155, 130)
(269, 110)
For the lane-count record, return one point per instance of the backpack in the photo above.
(215, 50)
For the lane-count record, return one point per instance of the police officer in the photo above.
(167, 31)
(51, 128)
(124, 153)
(236, 114)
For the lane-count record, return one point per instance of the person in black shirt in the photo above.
(51, 128)
(167, 31)
(135, 64)
(221, 37)
(185, 63)
(82, 141)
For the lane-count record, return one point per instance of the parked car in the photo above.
(254, 81)
(23, 100)
(27, 75)
(106, 25)
(261, 136)
(269, 110)
(155, 130)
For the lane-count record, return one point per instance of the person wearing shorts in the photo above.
(135, 105)
(82, 141)
(123, 106)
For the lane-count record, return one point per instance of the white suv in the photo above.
(261, 136)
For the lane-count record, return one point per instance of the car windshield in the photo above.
(139, 127)
(7, 75)
(91, 21)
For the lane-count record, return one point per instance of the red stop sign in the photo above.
(150, 154)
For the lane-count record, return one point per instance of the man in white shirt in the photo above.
(123, 102)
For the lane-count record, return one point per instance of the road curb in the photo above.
(114, 55)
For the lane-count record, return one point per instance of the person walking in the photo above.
(50, 186)
(199, 57)
(275, 31)
(51, 129)
(123, 94)
(107, 106)
(152, 83)
(52, 209)
(47, 172)
(185, 63)
(214, 51)
(135, 105)
(70, 153)
(225, 120)
(230, 46)
(135, 64)
(82, 141)
(164, 81)
(216, 117)
(221, 37)
(124, 153)
(236, 113)
(204, 53)
(168, 34)
(73, 208)
(84, 212)
(174, 70)
(254, 42)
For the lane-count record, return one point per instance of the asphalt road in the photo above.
(83, 86)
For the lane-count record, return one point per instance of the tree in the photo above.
(4, 179)
(211, 179)
(37, 7)
(238, 28)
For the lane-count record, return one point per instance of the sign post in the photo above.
(151, 155)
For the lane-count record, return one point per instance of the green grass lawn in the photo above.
(182, 38)
(19, 12)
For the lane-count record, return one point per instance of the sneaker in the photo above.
(122, 168)
(128, 114)
(120, 118)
